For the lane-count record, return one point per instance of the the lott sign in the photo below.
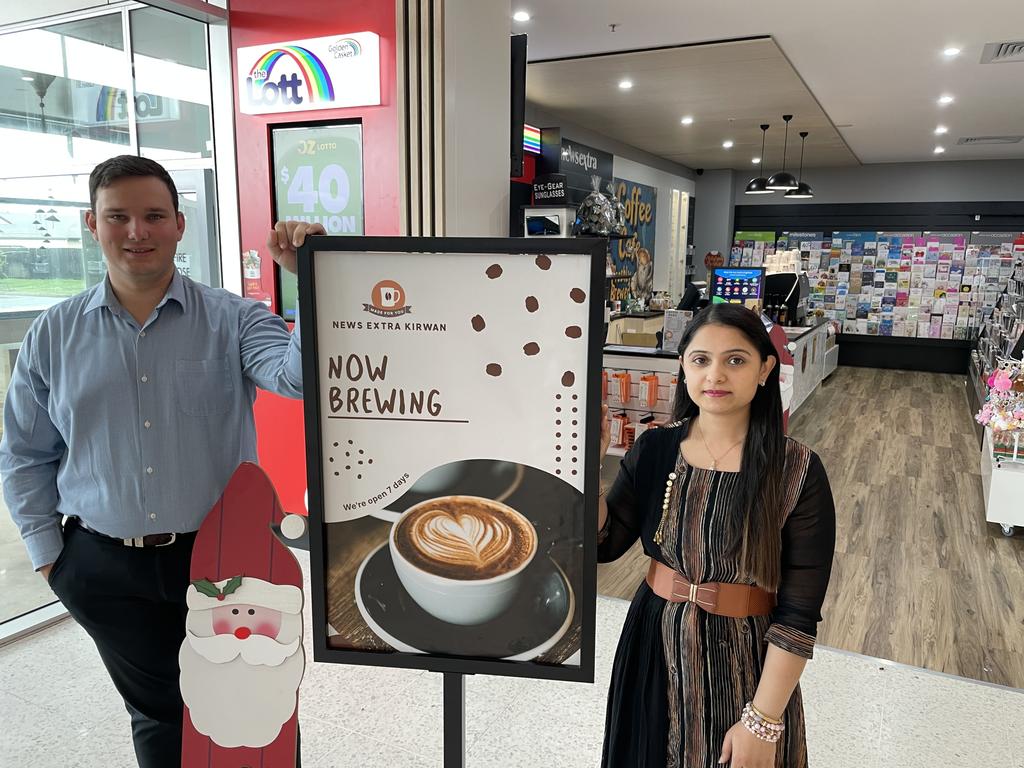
(302, 75)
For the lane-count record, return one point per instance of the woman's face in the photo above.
(723, 369)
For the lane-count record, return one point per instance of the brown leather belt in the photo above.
(149, 540)
(735, 600)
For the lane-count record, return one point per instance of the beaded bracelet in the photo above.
(759, 725)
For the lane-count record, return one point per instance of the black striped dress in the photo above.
(681, 675)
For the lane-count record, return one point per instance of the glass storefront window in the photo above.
(62, 96)
(172, 82)
(66, 104)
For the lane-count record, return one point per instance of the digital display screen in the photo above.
(737, 286)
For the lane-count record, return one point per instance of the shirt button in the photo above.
(146, 424)
(149, 470)
(152, 515)
(142, 333)
(145, 379)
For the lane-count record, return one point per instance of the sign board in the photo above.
(107, 105)
(453, 422)
(632, 259)
(550, 189)
(302, 75)
(318, 178)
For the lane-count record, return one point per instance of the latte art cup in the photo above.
(464, 601)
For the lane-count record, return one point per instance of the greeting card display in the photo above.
(452, 420)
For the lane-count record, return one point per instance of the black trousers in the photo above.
(131, 601)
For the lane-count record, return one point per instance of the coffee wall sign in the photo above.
(452, 429)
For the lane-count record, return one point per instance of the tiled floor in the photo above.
(57, 708)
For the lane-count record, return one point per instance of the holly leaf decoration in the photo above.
(233, 583)
(206, 587)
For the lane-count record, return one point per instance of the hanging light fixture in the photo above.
(783, 180)
(759, 186)
(802, 190)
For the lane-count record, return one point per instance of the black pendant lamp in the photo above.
(802, 190)
(759, 186)
(783, 180)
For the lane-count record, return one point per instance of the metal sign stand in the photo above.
(454, 714)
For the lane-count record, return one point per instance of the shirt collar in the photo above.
(102, 295)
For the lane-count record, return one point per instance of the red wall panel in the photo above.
(255, 22)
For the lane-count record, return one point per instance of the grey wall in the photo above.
(712, 224)
(941, 181)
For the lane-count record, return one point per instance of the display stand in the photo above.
(454, 720)
(1002, 480)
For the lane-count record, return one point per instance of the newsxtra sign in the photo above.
(302, 75)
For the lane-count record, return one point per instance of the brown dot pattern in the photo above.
(573, 331)
(478, 323)
(494, 271)
(544, 262)
(578, 295)
(493, 369)
(532, 305)
(356, 459)
(568, 379)
(531, 349)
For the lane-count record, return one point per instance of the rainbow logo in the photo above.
(318, 82)
(531, 139)
(106, 104)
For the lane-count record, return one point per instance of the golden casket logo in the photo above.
(387, 299)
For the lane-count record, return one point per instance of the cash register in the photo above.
(785, 298)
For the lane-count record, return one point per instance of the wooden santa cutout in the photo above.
(242, 658)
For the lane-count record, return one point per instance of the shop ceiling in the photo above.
(864, 78)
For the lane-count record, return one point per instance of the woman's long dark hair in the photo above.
(757, 525)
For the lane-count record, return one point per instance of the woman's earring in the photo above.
(763, 382)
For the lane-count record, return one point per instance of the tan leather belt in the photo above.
(735, 600)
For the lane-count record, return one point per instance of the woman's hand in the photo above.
(742, 749)
(606, 431)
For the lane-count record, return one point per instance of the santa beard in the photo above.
(235, 703)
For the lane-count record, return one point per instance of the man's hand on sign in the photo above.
(286, 237)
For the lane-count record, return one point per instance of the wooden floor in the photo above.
(919, 577)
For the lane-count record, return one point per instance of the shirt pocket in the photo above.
(204, 387)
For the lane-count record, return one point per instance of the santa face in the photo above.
(239, 677)
(242, 621)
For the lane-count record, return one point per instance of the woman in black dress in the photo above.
(739, 523)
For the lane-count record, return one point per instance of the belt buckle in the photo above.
(174, 537)
(705, 595)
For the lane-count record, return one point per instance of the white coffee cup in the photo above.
(464, 601)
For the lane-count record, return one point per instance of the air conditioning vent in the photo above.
(974, 141)
(1003, 53)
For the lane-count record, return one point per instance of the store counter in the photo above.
(808, 346)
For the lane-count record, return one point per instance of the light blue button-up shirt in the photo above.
(137, 430)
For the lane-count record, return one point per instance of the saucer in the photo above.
(532, 625)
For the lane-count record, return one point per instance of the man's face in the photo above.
(137, 228)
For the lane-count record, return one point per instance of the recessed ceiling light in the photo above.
(945, 99)
(687, 120)
(521, 16)
(27, 78)
(727, 144)
(756, 161)
(951, 51)
(625, 84)
(939, 150)
(941, 129)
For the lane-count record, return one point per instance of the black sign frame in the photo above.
(308, 256)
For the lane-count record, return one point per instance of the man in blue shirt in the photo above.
(129, 408)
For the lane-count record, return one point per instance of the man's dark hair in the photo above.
(109, 171)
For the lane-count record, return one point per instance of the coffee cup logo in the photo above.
(387, 299)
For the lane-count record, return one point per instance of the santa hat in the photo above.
(237, 559)
(239, 590)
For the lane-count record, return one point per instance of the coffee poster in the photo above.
(632, 258)
(457, 425)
